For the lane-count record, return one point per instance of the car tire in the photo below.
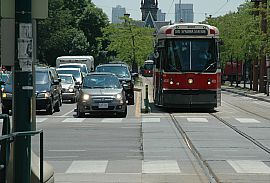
(49, 109)
(123, 114)
(57, 107)
(73, 100)
(5, 110)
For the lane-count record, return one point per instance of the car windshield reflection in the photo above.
(101, 81)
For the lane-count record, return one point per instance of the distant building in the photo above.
(184, 12)
(118, 12)
(161, 16)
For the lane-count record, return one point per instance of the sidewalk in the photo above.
(246, 92)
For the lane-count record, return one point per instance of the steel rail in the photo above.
(204, 165)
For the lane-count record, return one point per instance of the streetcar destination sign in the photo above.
(190, 32)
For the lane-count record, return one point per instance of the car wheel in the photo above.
(57, 107)
(49, 109)
(5, 110)
(79, 113)
(123, 114)
(73, 100)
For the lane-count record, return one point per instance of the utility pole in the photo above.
(22, 90)
(262, 82)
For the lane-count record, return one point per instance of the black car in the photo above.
(47, 94)
(124, 76)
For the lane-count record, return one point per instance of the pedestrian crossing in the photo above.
(150, 119)
(152, 166)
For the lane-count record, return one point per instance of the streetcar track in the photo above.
(204, 165)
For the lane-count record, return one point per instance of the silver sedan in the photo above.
(101, 93)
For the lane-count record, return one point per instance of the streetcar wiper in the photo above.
(212, 64)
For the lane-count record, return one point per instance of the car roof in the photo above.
(100, 73)
(72, 64)
(58, 69)
(113, 65)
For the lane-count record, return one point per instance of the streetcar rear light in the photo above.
(212, 31)
(168, 31)
(190, 81)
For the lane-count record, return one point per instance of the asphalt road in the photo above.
(229, 145)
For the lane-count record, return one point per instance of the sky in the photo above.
(201, 8)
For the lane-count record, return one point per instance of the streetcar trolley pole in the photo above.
(146, 100)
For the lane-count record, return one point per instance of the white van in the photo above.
(88, 60)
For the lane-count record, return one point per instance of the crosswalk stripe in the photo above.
(160, 166)
(87, 167)
(112, 120)
(204, 120)
(247, 120)
(150, 120)
(40, 120)
(73, 120)
(249, 166)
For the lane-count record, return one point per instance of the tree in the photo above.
(121, 36)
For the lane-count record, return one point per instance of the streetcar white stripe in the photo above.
(160, 166)
(249, 166)
(87, 167)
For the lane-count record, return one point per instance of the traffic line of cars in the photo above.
(108, 90)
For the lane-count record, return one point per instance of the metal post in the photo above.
(146, 102)
(245, 71)
(22, 90)
(231, 71)
(237, 72)
(268, 75)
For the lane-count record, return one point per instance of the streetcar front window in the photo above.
(191, 55)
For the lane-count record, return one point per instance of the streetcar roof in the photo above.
(188, 30)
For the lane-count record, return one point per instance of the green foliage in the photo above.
(121, 36)
(72, 28)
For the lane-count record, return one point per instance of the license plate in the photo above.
(103, 105)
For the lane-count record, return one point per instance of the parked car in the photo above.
(69, 87)
(124, 76)
(100, 93)
(47, 94)
(83, 67)
(76, 72)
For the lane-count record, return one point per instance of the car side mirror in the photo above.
(59, 79)
(77, 86)
(56, 82)
(77, 83)
(134, 75)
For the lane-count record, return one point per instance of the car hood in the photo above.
(101, 92)
(67, 86)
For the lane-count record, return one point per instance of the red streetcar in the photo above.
(147, 70)
(187, 70)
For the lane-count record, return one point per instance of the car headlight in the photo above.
(6, 95)
(71, 90)
(44, 95)
(118, 96)
(86, 97)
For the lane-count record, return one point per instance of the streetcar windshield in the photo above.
(191, 55)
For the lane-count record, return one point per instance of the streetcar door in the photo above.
(159, 73)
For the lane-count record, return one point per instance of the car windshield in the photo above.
(42, 77)
(4, 77)
(75, 73)
(119, 71)
(66, 79)
(189, 55)
(82, 67)
(101, 81)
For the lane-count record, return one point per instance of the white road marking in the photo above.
(87, 167)
(112, 120)
(64, 115)
(160, 166)
(247, 120)
(151, 120)
(249, 166)
(73, 120)
(191, 116)
(66, 150)
(204, 120)
(40, 120)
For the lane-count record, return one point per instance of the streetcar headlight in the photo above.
(209, 81)
(171, 82)
(86, 97)
(190, 81)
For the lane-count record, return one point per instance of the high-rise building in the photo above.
(149, 6)
(161, 16)
(118, 12)
(184, 12)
